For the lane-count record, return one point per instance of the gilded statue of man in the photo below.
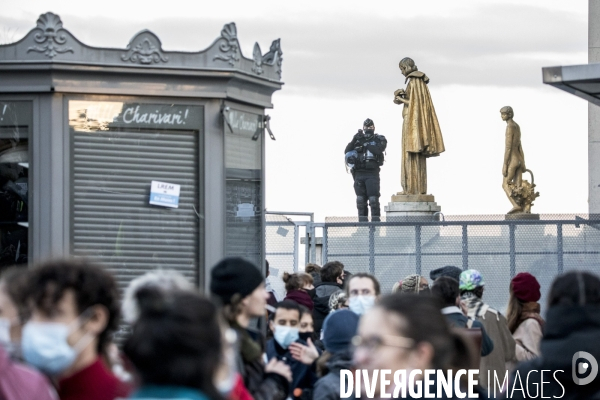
(421, 134)
(514, 159)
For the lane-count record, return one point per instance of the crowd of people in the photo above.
(239, 341)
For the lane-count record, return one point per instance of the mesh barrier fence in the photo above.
(498, 248)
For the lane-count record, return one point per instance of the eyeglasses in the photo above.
(375, 342)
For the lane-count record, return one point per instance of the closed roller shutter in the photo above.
(111, 219)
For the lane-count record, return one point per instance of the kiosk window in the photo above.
(16, 119)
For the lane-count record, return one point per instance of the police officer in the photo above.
(365, 155)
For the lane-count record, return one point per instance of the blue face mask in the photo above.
(361, 304)
(285, 335)
(45, 346)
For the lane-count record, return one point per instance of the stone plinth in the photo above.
(402, 205)
(521, 216)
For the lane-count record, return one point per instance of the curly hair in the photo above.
(91, 284)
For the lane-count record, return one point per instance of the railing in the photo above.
(499, 248)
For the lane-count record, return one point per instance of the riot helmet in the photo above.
(351, 158)
(369, 128)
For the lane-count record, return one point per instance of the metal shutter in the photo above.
(111, 220)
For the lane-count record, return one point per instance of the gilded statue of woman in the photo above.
(421, 134)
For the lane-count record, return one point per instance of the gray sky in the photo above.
(341, 66)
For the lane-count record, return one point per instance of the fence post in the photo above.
(372, 249)
(559, 247)
(511, 238)
(313, 243)
(465, 248)
(324, 258)
(418, 248)
(296, 247)
(306, 244)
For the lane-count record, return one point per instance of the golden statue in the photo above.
(520, 192)
(421, 134)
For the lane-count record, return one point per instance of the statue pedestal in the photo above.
(521, 216)
(411, 205)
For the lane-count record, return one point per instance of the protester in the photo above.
(273, 297)
(17, 381)
(176, 346)
(13, 309)
(408, 332)
(298, 286)
(449, 270)
(338, 300)
(414, 284)
(523, 316)
(74, 311)
(446, 289)
(239, 287)
(300, 358)
(362, 291)
(499, 360)
(164, 279)
(314, 270)
(331, 282)
(307, 324)
(338, 330)
(572, 327)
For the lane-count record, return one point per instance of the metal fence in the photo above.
(393, 249)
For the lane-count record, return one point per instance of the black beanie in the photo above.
(234, 275)
(448, 270)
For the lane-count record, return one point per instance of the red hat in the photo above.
(525, 287)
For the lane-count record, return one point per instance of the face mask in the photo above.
(307, 335)
(285, 335)
(45, 346)
(4, 331)
(10, 347)
(369, 132)
(312, 292)
(361, 304)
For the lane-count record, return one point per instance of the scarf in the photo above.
(532, 310)
(476, 307)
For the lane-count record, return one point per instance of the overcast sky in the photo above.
(341, 66)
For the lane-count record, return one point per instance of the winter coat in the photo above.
(261, 385)
(568, 330)
(328, 387)
(323, 291)
(456, 318)
(495, 325)
(300, 297)
(303, 376)
(18, 381)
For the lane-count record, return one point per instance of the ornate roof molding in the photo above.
(49, 42)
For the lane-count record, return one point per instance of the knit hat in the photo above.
(470, 279)
(448, 270)
(410, 284)
(338, 330)
(234, 275)
(525, 287)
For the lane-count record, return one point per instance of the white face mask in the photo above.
(4, 331)
(285, 335)
(361, 304)
(9, 346)
(45, 346)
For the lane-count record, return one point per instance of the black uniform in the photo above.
(366, 172)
